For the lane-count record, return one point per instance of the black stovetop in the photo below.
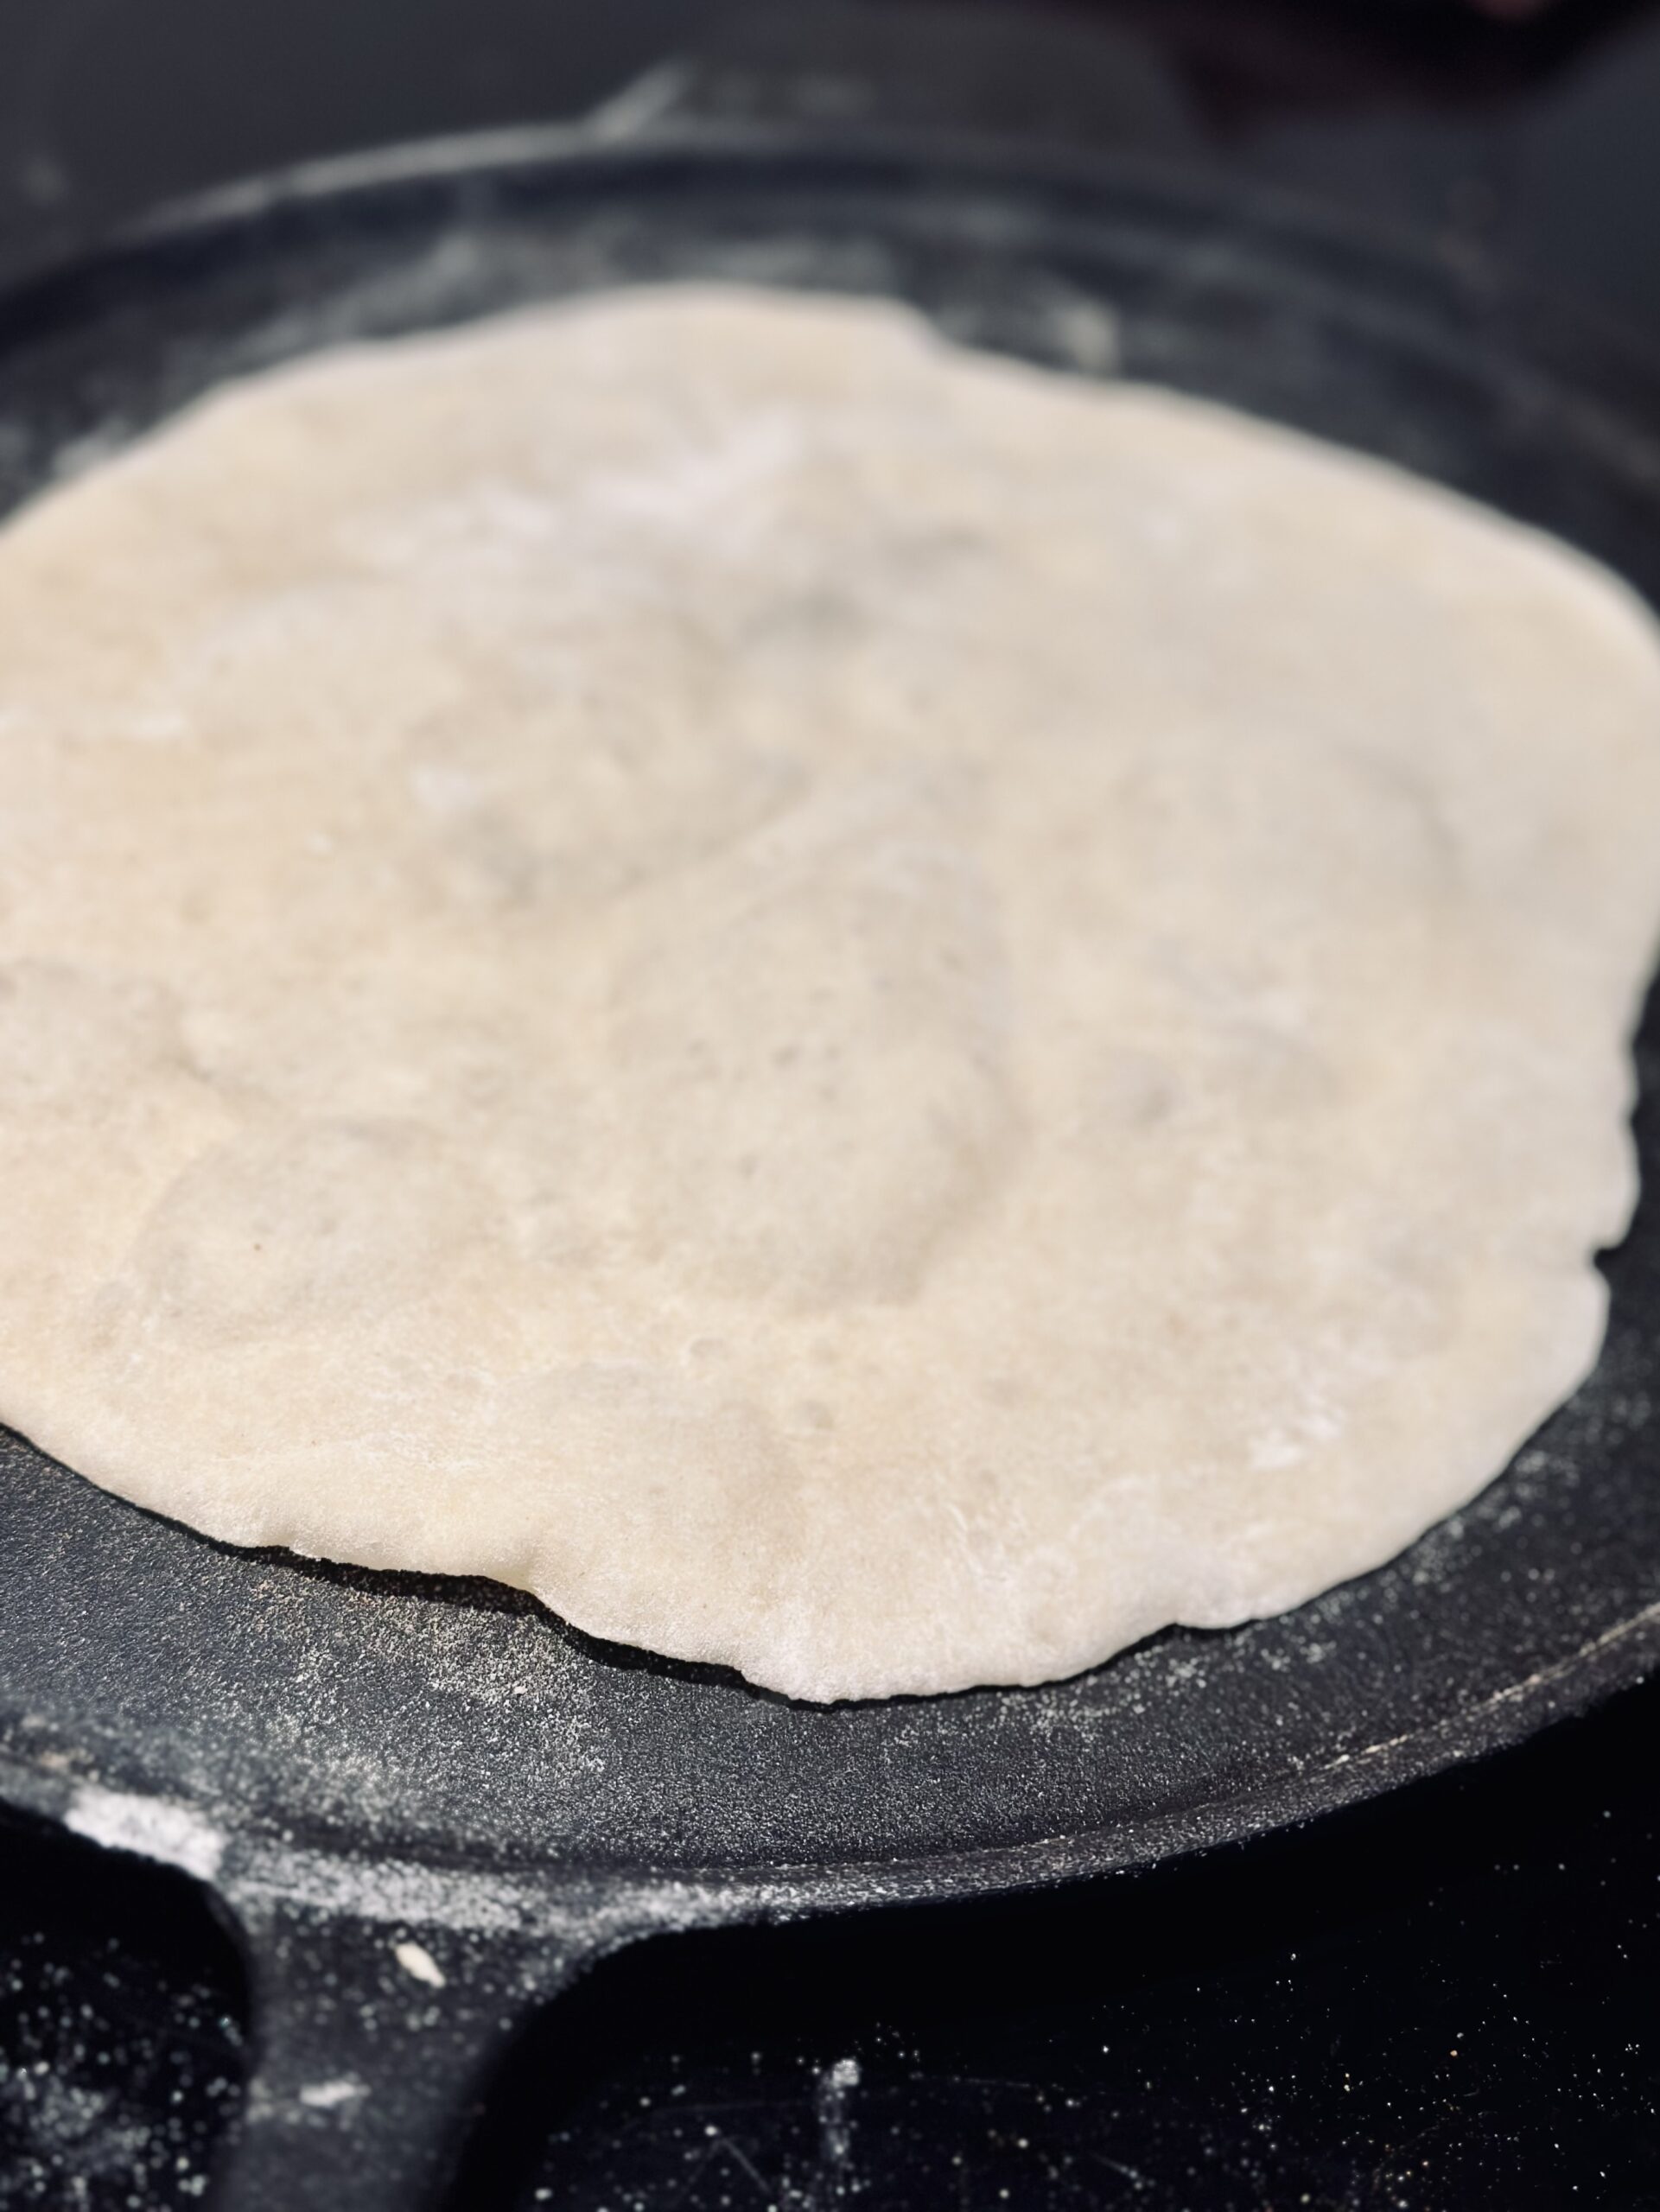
(1448, 2000)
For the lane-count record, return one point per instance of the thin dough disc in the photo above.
(858, 1011)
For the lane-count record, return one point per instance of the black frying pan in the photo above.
(425, 1804)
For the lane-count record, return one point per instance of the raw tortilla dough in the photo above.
(859, 1011)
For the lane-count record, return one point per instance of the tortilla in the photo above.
(861, 1012)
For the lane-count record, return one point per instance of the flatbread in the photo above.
(859, 1011)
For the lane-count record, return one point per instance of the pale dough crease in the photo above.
(859, 1011)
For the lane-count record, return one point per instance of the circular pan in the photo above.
(396, 1717)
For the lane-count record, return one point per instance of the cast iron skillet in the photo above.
(426, 1805)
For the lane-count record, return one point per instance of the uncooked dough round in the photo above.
(857, 1010)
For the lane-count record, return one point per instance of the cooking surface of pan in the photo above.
(339, 1751)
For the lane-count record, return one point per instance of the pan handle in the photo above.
(374, 2043)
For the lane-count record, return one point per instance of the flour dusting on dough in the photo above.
(861, 1012)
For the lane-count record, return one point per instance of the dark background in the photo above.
(1451, 2000)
